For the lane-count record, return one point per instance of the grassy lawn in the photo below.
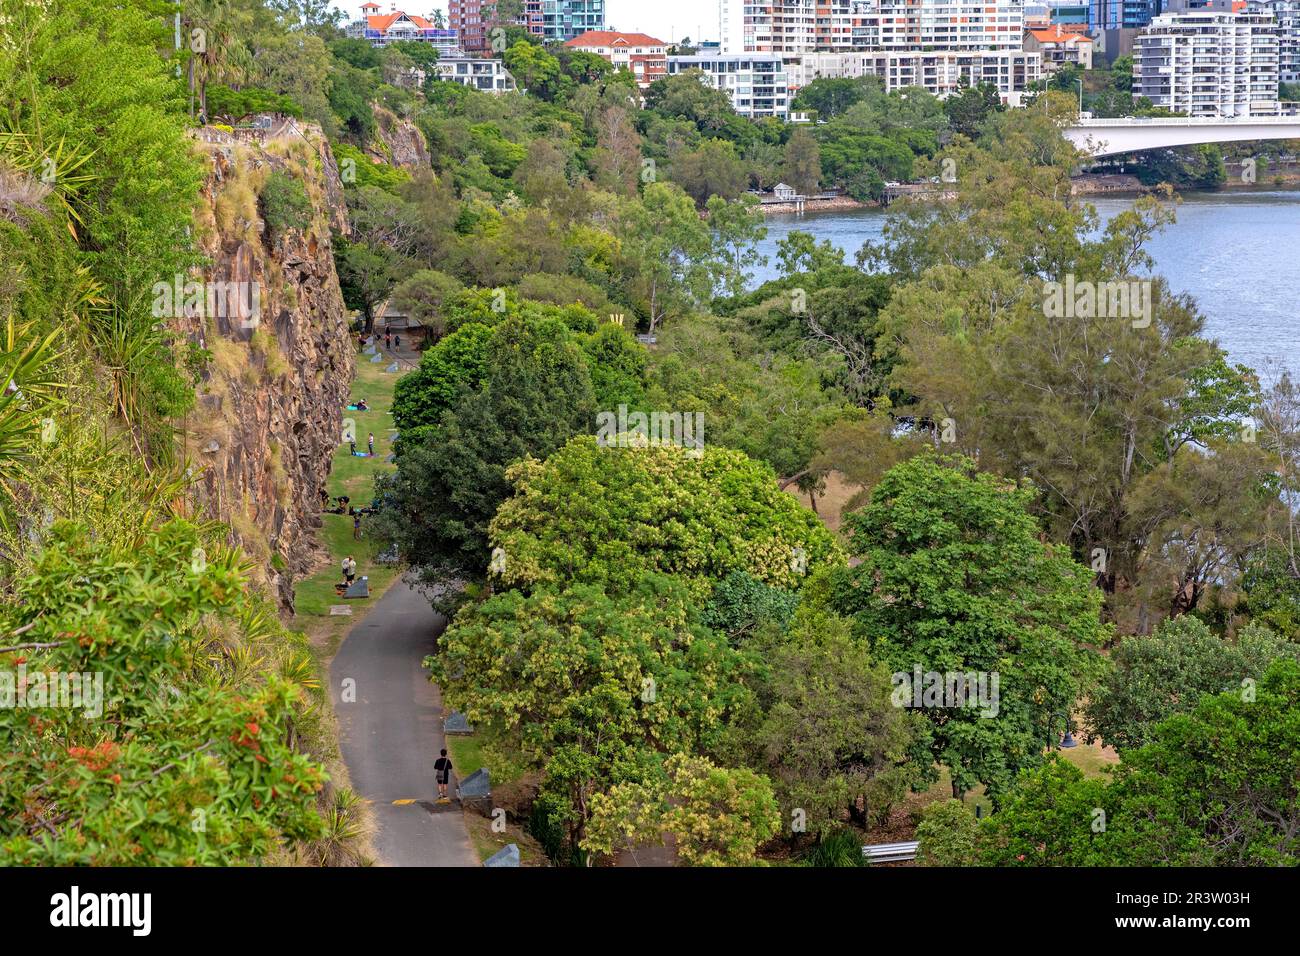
(466, 755)
(1092, 759)
(352, 476)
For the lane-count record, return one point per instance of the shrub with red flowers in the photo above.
(181, 765)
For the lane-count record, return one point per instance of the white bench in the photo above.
(890, 852)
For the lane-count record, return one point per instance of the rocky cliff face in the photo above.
(279, 359)
(400, 143)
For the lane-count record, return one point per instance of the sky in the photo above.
(663, 19)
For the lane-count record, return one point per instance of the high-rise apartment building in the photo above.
(828, 26)
(1122, 14)
(1287, 15)
(474, 19)
(1209, 61)
(930, 43)
(565, 19)
(942, 72)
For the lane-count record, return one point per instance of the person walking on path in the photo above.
(443, 768)
(388, 339)
(370, 442)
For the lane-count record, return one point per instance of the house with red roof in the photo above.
(384, 28)
(643, 55)
(1060, 45)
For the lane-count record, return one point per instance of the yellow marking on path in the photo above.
(402, 803)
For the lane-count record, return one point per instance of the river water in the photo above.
(1237, 254)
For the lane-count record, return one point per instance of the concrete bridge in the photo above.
(1107, 137)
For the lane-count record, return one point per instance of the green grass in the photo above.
(352, 476)
(1089, 758)
(466, 754)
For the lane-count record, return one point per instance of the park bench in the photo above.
(890, 852)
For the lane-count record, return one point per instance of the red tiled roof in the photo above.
(383, 23)
(613, 38)
(1056, 35)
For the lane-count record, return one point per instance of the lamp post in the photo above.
(1067, 739)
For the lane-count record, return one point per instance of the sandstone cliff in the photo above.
(279, 360)
(398, 142)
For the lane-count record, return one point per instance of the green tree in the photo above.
(668, 247)
(1122, 72)
(831, 740)
(535, 394)
(802, 165)
(457, 365)
(713, 169)
(1171, 670)
(737, 228)
(106, 121)
(954, 578)
(588, 688)
(947, 835)
(800, 251)
(716, 816)
(829, 97)
(536, 70)
(1214, 787)
(658, 507)
(689, 96)
(968, 110)
(742, 606)
(423, 296)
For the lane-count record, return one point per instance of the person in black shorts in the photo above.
(443, 768)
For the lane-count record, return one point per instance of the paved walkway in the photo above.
(392, 733)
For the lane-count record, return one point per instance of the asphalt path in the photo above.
(390, 734)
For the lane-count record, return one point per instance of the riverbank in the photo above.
(816, 205)
(1239, 176)
(1100, 184)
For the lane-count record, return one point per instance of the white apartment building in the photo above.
(480, 73)
(937, 72)
(826, 26)
(1209, 62)
(1287, 15)
(927, 43)
(756, 83)
(777, 27)
(945, 24)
